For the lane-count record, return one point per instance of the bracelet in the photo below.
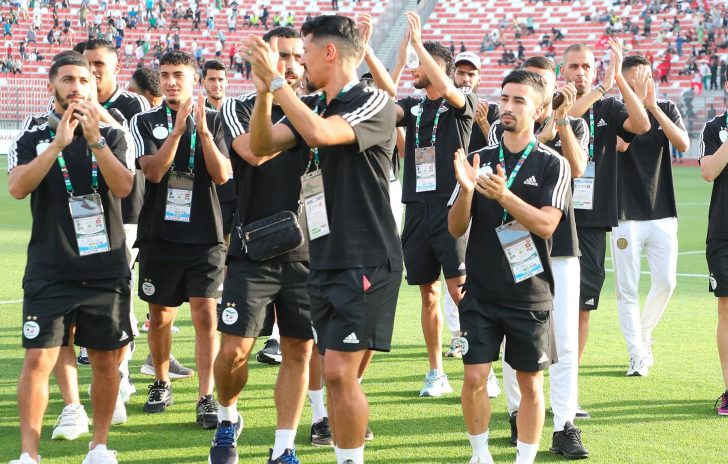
(562, 122)
(601, 88)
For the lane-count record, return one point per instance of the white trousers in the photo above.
(130, 231)
(563, 374)
(658, 238)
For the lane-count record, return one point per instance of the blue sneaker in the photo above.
(224, 444)
(288, 457)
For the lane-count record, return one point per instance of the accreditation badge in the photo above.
(425, 172)
(583, 197)
(314, 201)
(520, 251)
(89, 223)
(179, 197)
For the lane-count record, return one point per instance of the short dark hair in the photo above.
(176, 57)
(339, 28)
(284, 32)
(215, 65)
(96, 44)
(64, 53)
(539, 62)
(631, 61)
(528, 78)
(438, 50)
(80, 47)
(147, 80)
(69, 58)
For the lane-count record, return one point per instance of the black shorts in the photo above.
(427, 244)
(227, 208)
(98, 308)
(529, 336)
(353, 309)
(593, 247)
(716, 253)
(254, 293)
(172, 273)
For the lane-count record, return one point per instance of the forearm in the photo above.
(678, 137)
(583, 103)
(117, 176)
(156, 166)
(261, 127)
(241, 147)
(441, 81)
(379, 74)
(218, 166)
(24, 179)
(396, 73)
(313, 128)
(534, 219)
(712, 166)
(458, 218)
(572, 151)
(638, 118)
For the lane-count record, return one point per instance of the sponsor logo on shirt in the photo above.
(351, 338)
(148, 287)
(229, 315)
(531, 181)
(31, 329)
(601, 123)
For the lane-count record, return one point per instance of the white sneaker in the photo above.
(100, 456)
(480, 459)
(25, 459)
(126, 388)
(435, 385)
(649, 358)
(492, 385)
(72, 423)
(119, 416)
(456, 349)
(637, 367)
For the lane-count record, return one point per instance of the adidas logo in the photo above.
(351, 338)
(601, 123)
(124, 336)
(589, 302)
(558, 143)
(543, 358)
(659, 128)
(531, 181)
(461, 267)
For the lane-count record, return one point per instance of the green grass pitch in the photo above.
(667, 417)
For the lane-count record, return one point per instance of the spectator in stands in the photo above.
(529, 25)
(521, 51)
(696, 83)
(557, 34)
(30, 36)
(264, 17)
(462, 47)
(334, 6)
(290, 19)
(714, 73)
(452, 48)
(705, 74)
(7, 29)
(307, 18)
(648, 26)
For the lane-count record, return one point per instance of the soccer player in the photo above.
(569, 137)
(256, 291)
(76, 172)
(145, 82)
(437, 124)
(182, 154)
(647, 218)
(595, 193)
(355, 252)
(514, 210)
(713, 160)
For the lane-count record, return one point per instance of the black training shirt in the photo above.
(356, 186)
(715, 135)
(149, 130)
(646, 191)
(53, 250)
(542, 181)
(270, 188)
(225, 192)
(453, 132)
(478, 140)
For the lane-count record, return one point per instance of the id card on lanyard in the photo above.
(425, 160)
(314, 198)
(583, 197)
(178, 206)
(516, 241)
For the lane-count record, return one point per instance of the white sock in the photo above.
(228, 413)
(318, 406)
(356, 455)
(360, 380)
(479, 443)
(100, 447)
(275, 334)
(284, 439)
(526, 453)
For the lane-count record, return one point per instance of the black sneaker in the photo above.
(288, 457)
(271, 352)
(514, 428)
(582, 413)
(159, 397)
(207, 412)
(321, 433)
(83, 357)
(368, 435)
(568, 443)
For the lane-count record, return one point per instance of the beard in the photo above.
(421, 83)
(64, 101)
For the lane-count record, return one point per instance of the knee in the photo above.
(297, 352)
(665, 283)
(160, 318)
(38, 360)
(473, 381)
(204, 320)
(232, 356)
(336, 375)
(531, 387)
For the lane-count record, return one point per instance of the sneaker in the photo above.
(481, 459)
(492, 385)
(224, 444)
(368, 434)
(25, 459)
(288, 457)
(159, 397)
(271, 352)
(83, 357)
(514, 428)
(176, 370)
(456, 349)
(207, 412)
(126, 388)
(637, 366)
(721, 404)
(568, 443)
(435, 385)
(100, 456)
(649, 357)
(72, 423)
(581, 413)
(145, 326)
(119, 416)
(321, 433)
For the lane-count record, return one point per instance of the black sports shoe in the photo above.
(224, 444)
(514, 428)
(271, 352)
(321, 433)
(159, 397)
(568, 443)
(368, 435)
(207, 412)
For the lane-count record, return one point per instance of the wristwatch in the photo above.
(277, 83)
(100, 144)
(562, 122)
(601, 89)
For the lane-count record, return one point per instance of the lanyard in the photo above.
(514, 173)
(111, 100)
(67, 177)
(591, 133)
(434, 125)
(314, 153)
(193, 140)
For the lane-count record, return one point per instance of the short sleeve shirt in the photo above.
(453, 131)
(478, 139)
(53, 249)
(150, 130)
(714, 136)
